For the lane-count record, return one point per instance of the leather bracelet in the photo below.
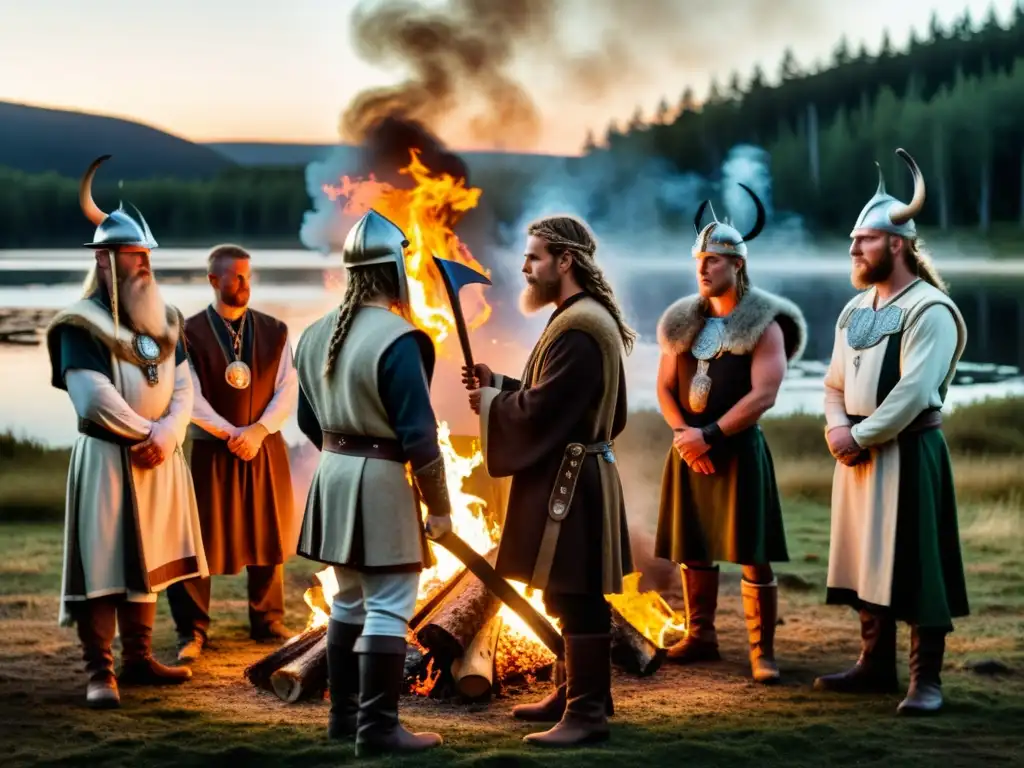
(712, 433)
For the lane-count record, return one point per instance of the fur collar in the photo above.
(681, 322)
(98, 321)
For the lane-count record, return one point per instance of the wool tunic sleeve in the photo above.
(405, 393)
(520, 427)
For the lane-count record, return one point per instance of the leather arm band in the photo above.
(712, 433)
(432, 485)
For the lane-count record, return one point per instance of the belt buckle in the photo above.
(608, 454)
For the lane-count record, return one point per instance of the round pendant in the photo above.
(146, 347)
(238, 375)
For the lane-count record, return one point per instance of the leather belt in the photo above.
(92, 429)
(930, 419)
(560, 501)
(367, 446)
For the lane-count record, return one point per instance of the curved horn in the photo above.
(759, 224)
(881, 180)
(89, 208)
(899, 213)
(699, 216)
(713, 214)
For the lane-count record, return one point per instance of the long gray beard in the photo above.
(536, 296)
(143, 304)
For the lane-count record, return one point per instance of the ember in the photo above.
(463, 640)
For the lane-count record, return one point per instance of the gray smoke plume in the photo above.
(477, 67)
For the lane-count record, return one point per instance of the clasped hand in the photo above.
(843, 447)
(152, 451)
(692, 448)
(436, 526)
(246, 441)
(475, 379)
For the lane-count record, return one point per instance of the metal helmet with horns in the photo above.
(120, 228)
(375, 239)
(722, 238)
(885, 213)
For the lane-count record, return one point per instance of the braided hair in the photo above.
(565, 234)
(376, 281)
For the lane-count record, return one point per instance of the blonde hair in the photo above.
(919, 262)
(566, 234)
(364, 284)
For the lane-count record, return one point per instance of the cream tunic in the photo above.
(169, 543)
(865, 497)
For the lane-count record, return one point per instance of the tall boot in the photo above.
(875, 670)
(588, 671)
(924, 697)
(700, 596)
(138, 667)
(381, 672)
(551, 708)
(95, 621)
(761, 610)
(343, 679)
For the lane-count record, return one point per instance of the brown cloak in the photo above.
(572, 391)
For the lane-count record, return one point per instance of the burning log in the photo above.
(260, 672)
(305, 677)
(474, 672)
(450, 628)
(631, 650)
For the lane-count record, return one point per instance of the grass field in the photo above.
(706, 715)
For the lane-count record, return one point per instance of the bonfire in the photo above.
(462, 639)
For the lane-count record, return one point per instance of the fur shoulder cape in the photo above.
(682, 321)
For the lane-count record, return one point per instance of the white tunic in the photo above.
(865, 497)
(95, 550)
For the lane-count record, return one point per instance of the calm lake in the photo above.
(300, 286)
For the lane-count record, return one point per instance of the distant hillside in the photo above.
(256, 154)
(269, 154)
(38, 140)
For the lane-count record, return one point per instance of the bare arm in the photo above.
(668, 386)
(767, 370)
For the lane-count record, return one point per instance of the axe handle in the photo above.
(460, 326)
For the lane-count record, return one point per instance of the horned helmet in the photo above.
(719, 237)
(885, 213)
(117, 229)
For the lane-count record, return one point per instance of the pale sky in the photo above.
(284, 70)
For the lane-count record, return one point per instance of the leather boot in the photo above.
(381, 673)
(761, 610)
(138, 667)
(875, 670)
(700, 596)
(924, 697)
(95, 622)
(588, 671)
(343, 679)
(551, 708)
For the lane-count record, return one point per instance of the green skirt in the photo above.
(733, 515)
(928, 584)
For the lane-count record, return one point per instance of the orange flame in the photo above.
(426, 213)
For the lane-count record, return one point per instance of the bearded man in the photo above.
(245, 388)
(551, 430)
(724, 354)
(895, 548)
(364, 401)
(131, 524)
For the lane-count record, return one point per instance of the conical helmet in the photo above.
(375, 239)
(120, 228)
(885, 213)
(722, 238)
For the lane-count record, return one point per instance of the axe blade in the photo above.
(457, 275)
